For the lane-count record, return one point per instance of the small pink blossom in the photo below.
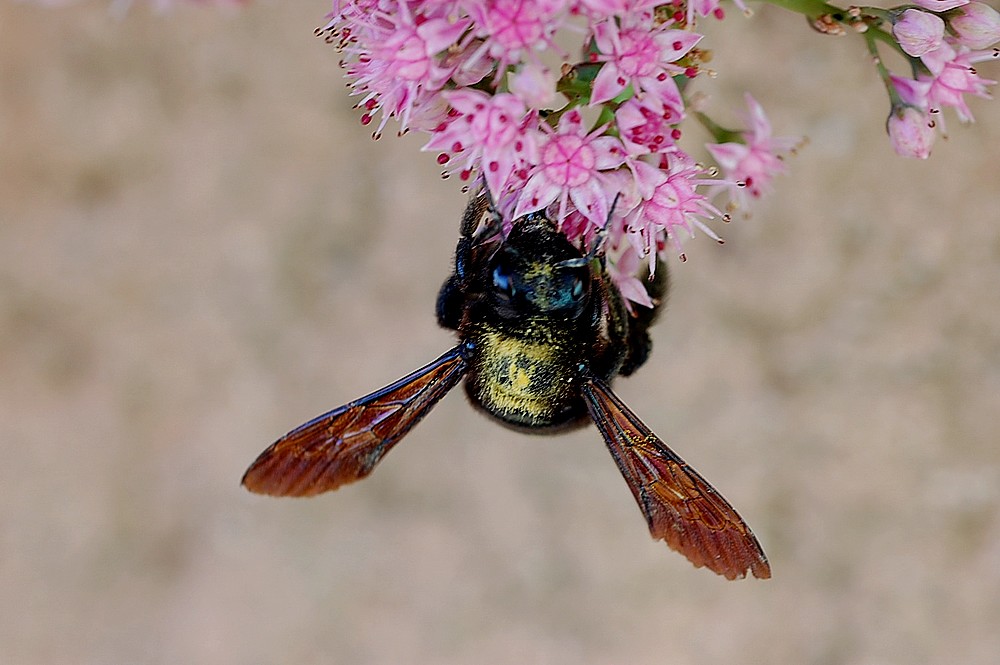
(912, 92)
(396, 70)
(952, 76)
(623, 273)
(641, 56)
(647, 125)
(756, 161)
(534, 84)
(569, 169)
(911, 132)
(466, 65)
(918, 32)
(493, 133)
(671, 205)
(513, 29)
(976, 25)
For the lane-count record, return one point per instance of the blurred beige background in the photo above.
(200, 248)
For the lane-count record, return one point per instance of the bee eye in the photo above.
(577, 285)
(502, 279)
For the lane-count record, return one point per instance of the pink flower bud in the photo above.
(940, 5)
(910, 132)
(535, 85)
(976, 25)
(918, 32)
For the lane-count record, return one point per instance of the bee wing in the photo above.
(345, 444)
(680, 506)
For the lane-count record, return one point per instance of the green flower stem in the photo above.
(878, 34)
(871, 36)
(719, 133)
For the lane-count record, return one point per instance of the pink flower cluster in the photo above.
(944, 48)
(590, 137)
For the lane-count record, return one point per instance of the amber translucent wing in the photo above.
(345, 444)
(680, 506)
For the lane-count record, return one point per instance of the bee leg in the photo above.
(451, 303)
(480, 221)
(637, 339)
(608, 314)
(480, 216)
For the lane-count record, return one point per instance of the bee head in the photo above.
(538, 272)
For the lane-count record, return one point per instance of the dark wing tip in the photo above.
(277, 474)
(345, 444)
(729, 552)
(681, 507)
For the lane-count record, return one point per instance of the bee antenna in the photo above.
(494, 210)
(601, 236)
(611, 211)
(579, 262)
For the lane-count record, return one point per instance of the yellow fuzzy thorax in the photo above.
(518, 378)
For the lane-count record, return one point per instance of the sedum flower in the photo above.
(396, 68)
(953, 76)
(648, 125)
(754, 162)
(623, 273)
(474, 75)
(639, 55)
(911, 132)
(535, 84)
(976, 26)
(918, 32)
(569, 168)
(671, 207)
(514, 29)
(706, 7)
(492, 134)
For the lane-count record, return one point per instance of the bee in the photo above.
(542, 333)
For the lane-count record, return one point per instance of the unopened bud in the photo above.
(918, 32)
(976, 25)
(535, 85)
(910, 132)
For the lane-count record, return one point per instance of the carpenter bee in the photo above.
(543, 331)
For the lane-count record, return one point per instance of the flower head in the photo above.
(640, 55)
(976, 26)
(570, 166)
(754, 162)
(911, 132)
(953, 76)
(918, 32)
(514, 29)
(396, 68)
(477, 76)
(671, 207)
(495, 134)
(648, 125)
